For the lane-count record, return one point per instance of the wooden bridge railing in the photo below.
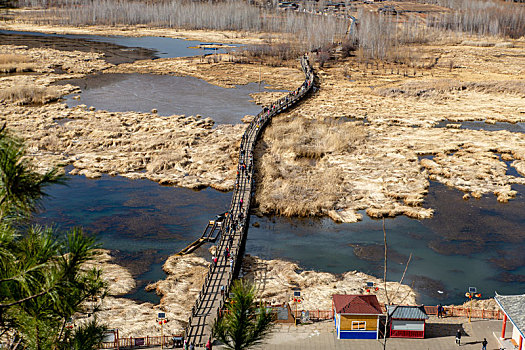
(235, 226)
(139, 342)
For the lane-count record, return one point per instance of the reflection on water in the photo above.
(480, 125)
(163, 47)
(142, 221)
(168, 94)
(467, 243)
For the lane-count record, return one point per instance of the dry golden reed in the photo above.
(438, 87)
(11, 63)
(24, 95)
(289, 181)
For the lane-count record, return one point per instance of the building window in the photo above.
(358, 325)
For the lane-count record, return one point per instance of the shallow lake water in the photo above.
(480, 125)
(468, 243)
(163, 47)
(168, 94)
(140, 220)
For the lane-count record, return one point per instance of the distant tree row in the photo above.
(310, 30)
(482, 17)
(377, 35)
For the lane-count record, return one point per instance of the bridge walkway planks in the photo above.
(235, 227)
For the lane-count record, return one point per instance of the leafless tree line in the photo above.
(378, 35)
(310, 30)
(482, 17)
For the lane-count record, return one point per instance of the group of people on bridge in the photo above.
(234, 227)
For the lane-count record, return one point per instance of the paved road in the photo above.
(322, 336)
(440, 336)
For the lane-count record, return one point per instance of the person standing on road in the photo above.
(458, 337)
(231, 265)
(484, 344)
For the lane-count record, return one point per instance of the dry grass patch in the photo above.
(439, 87)
(290, 182)
(27, 95)
(11, 63)
(314, 139)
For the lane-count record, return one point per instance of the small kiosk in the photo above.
(407, 321)
(513, 307)
(356, 316)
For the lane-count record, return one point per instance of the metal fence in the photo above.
(450, 311)
(461, 311)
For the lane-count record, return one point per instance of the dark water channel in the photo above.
(168, 94)
(480, 125)
(467, 243)
(142, 47)
(141, 221)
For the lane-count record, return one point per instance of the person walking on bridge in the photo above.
(231, 265)
(208, 345)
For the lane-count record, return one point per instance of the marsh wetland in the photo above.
(455, 241)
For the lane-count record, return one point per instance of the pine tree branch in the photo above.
(25, 299)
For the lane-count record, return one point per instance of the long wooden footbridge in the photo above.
(234, 227)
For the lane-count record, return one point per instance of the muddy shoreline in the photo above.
(275, 281)
(114, 54)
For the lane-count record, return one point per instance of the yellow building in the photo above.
(356, 316)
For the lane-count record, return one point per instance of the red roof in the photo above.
(356, 304)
